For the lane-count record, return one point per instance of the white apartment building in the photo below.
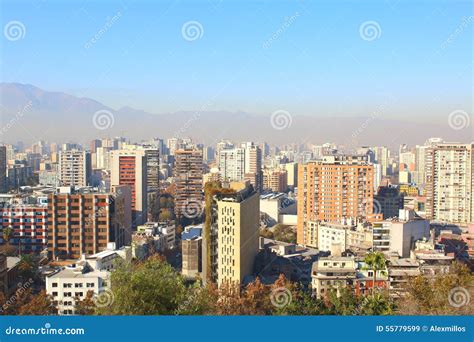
(450, 184)
(399, 235)
(90, 273)
(74, 168)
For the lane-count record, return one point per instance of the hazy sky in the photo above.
(307, 57)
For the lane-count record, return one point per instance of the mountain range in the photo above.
(30, 114)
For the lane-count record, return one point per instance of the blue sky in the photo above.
(248, 58)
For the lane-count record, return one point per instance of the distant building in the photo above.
(129, 168)
(187, 174)
(275, 180)
(3, 169)
(74, 168)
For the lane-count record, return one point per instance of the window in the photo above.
(55, 284)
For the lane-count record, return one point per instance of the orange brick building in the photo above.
(333, 189)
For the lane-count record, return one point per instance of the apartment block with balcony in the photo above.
(333, 189)
(84, 223)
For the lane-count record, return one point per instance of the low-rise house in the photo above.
(70, 283)
(333, 273)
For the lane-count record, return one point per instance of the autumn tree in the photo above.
(40, 304)
(85, 306)
(444, 294)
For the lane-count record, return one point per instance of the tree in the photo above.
(201, 300)
(375, 262)
(7, 248)
(376, 304)
(40, 304)
(342, 301)
(151, 287)
(444, 294)
(256, 299)
(85, 306)
(26, 267)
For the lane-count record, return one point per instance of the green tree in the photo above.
(376, 304)
(375, 262)
(151, 287)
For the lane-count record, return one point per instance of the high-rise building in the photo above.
(450, 184)
(188, 175)
(74, 168)
(253, 165)
(231, 242)
(242, 163)
(94, 144)
(275, 180)
(129, 167)
(232, 164)
(335, 188)
(152, 156)
(84, 223)
(3, 169)
(292, 171)
(382, 157)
